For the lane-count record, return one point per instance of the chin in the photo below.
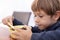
(41, 27)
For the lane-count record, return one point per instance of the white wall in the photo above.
(8, 6)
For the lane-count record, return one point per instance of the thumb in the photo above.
(27, 27)
(11, 22)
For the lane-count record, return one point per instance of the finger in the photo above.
(27, 27)
(15, 34)
(18, 29)
(11, 22)
(8, 19)
(4, 21)
(15, 37)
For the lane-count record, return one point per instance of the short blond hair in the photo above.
(49, 6)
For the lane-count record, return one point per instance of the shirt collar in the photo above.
(54, 26)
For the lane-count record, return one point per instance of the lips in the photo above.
(38, 24)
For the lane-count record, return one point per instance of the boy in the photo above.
(47, 18)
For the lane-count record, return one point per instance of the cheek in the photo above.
(45, 21)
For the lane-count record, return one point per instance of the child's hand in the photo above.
(21, 34)
(8, 19)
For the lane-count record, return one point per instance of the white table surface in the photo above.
(4, 32)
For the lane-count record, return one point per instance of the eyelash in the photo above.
(39, 16)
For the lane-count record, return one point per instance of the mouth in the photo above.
(38, 25)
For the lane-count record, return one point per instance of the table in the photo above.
(4, 33)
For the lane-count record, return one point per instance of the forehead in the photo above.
(41, 12)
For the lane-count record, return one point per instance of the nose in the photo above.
(36, 20)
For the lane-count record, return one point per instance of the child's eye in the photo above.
(40, 16)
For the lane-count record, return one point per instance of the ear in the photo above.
(57, 15)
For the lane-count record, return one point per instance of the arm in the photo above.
(28, 35)
(50, 35)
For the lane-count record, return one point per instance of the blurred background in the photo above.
(7, 7)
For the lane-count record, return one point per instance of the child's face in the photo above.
(43, 20)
